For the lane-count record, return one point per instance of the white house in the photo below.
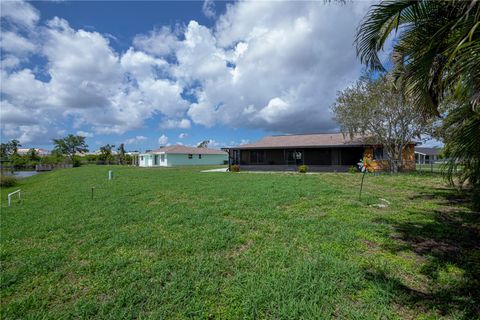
(182, 156)
(426, 155)
(41, 152)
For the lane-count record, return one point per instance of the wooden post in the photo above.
(93, 188)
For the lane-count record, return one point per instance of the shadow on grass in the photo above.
(446, 241)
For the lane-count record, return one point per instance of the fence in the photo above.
(409, 166)
(431, 166)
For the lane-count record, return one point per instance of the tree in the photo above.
(436, 48)
(9, 149)
(121, 154)
(379, 112)
(106, 153)
(70, 146)
(437, 58)
(462, 155)
(203, 144)
(32, 155)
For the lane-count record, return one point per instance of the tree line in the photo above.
(71, 149)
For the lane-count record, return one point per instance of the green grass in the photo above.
(177, 243)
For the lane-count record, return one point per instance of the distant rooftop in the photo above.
(428, 151)
(38, 150)
(179, 149)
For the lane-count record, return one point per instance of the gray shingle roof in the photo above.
(428, 151)
(305, 140)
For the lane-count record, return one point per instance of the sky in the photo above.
(156, 73)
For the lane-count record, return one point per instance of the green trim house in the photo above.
(182, 156)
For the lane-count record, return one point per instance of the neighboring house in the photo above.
(321, 152)
(41, 152)
(426, 155)
(182, 156)
(99, 152)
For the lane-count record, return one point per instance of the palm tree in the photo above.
(437, 45)
(436, 55)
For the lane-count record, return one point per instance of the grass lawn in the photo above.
(177, 243)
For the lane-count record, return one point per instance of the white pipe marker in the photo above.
(19, 191)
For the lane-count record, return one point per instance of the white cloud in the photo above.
(89, 83)
(208, 9)
(279, 74)
(174, 124)
(135, 140)
(14, 43)
(163, 140)
(85, 134)
(161, 41)
(183, 135)
(20, 13)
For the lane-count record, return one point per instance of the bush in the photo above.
(302, 169)
(7, 181)
(54, 158)
(352, 169)
(235, 168)
(76, 162)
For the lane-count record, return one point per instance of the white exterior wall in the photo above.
(172, 159)
(206, 159)
(149, 160)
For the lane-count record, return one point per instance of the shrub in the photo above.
(7, 181)
(77, 162)
(235, 168)
(352, 169)
(302, 169)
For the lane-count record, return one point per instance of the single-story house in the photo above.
(320, 152)
(40, 152)
(182, 156)
(426, 155)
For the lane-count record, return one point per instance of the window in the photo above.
(378, 154)
(141, 158)
(155, 159)
(162, 157)
(199, 156)
(190, 156)
(257, 157)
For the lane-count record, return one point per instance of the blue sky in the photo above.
(154, 73)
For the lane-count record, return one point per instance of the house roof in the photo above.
(25, 150)
(179, 149)
(305, 140)
(428, 151)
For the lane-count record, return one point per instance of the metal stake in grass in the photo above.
(93, 188)
(361, 185)
(363, 165)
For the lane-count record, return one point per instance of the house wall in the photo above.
(149, 160)
(143, 160)
(382, 165)
(171, 159)
(207, 159)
